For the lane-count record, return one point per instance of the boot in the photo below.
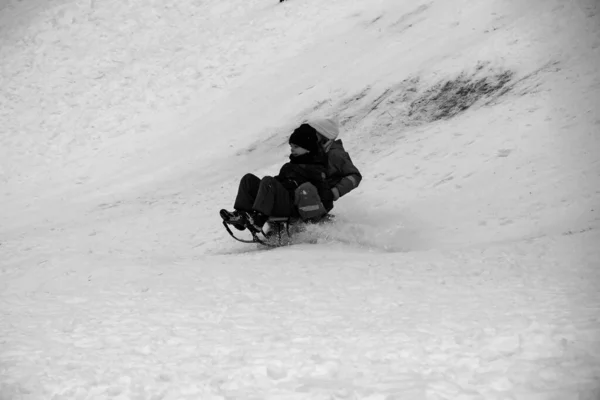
(236, 218)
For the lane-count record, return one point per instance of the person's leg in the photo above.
(247, 191)
(272, 199)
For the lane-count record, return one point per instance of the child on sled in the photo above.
(282, 195)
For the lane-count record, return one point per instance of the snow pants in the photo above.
(266, 195)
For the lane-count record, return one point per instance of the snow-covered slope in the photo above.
(464, 266)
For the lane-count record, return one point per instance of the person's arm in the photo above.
(288, 176)
(351, 175)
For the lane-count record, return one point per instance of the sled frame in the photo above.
(276, 223)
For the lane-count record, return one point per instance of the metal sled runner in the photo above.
(280, 233)
(272, 238)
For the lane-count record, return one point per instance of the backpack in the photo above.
(308, 202)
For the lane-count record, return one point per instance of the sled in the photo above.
(281, 230)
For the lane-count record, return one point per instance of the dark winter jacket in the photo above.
(341, 172)
(310, 167)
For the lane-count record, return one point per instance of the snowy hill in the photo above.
(466, 265)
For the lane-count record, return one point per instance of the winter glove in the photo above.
(336, 193)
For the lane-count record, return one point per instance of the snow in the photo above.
(465, 266)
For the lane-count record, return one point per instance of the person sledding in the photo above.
(342, 174)
(299, 191)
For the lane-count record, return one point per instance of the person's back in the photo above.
(342, 174)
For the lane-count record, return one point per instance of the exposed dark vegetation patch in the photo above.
(357, 97)
(578, 231)
(348, 102)
(446, 99)
(414, 102)
(375, 19)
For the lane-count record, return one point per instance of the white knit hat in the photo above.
(327, 127)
